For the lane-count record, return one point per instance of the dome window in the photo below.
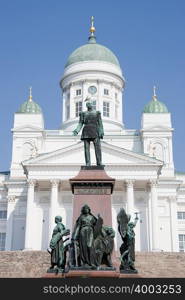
(78, 108)
(106, 92)
(106, 109)
(78, 92)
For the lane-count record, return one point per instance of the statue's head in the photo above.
(131, 225)
(58, 219)
(88, 102)
(85, 209)
(109, 231)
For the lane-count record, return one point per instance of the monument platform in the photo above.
(91, 274)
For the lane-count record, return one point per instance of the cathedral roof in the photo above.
(30, 107)
(155, 106)
(92, 51)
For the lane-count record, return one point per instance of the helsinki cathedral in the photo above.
(37, 188)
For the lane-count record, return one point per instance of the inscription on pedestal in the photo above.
(83, 191)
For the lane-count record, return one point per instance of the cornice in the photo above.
(65, 77)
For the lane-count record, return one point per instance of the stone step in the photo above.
(22, 264)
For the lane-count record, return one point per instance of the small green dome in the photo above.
(92, 51)
(30, 106)
(155, 107)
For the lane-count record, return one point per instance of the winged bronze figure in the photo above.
(127, 249)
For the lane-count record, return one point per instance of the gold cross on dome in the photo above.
(30, 98)
(92, 29)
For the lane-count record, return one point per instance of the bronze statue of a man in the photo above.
(92, 132)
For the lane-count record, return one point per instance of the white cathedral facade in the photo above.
(37, 187)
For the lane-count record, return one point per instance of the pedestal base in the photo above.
(128, 271)
(107, 269)
(55, 271)
(91, 274)
(84, 274)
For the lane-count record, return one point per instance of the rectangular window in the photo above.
(181, 242)
(106, 92)
(3, 214)
(106, 109)
(78, 92)
(181, 215)
(78, 108)
(2, 241)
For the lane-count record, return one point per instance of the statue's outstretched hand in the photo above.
(75, 132)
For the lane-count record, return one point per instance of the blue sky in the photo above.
(37, 36)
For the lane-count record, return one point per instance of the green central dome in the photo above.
(92, 51)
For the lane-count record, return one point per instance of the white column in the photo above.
(29, 233)
(130, 196)
(154, 215)
(149, 219)
(173, 224)
(9, 224)
(53, 205)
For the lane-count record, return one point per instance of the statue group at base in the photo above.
(92, 244)
(90, 248)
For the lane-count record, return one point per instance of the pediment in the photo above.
(74, 154)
